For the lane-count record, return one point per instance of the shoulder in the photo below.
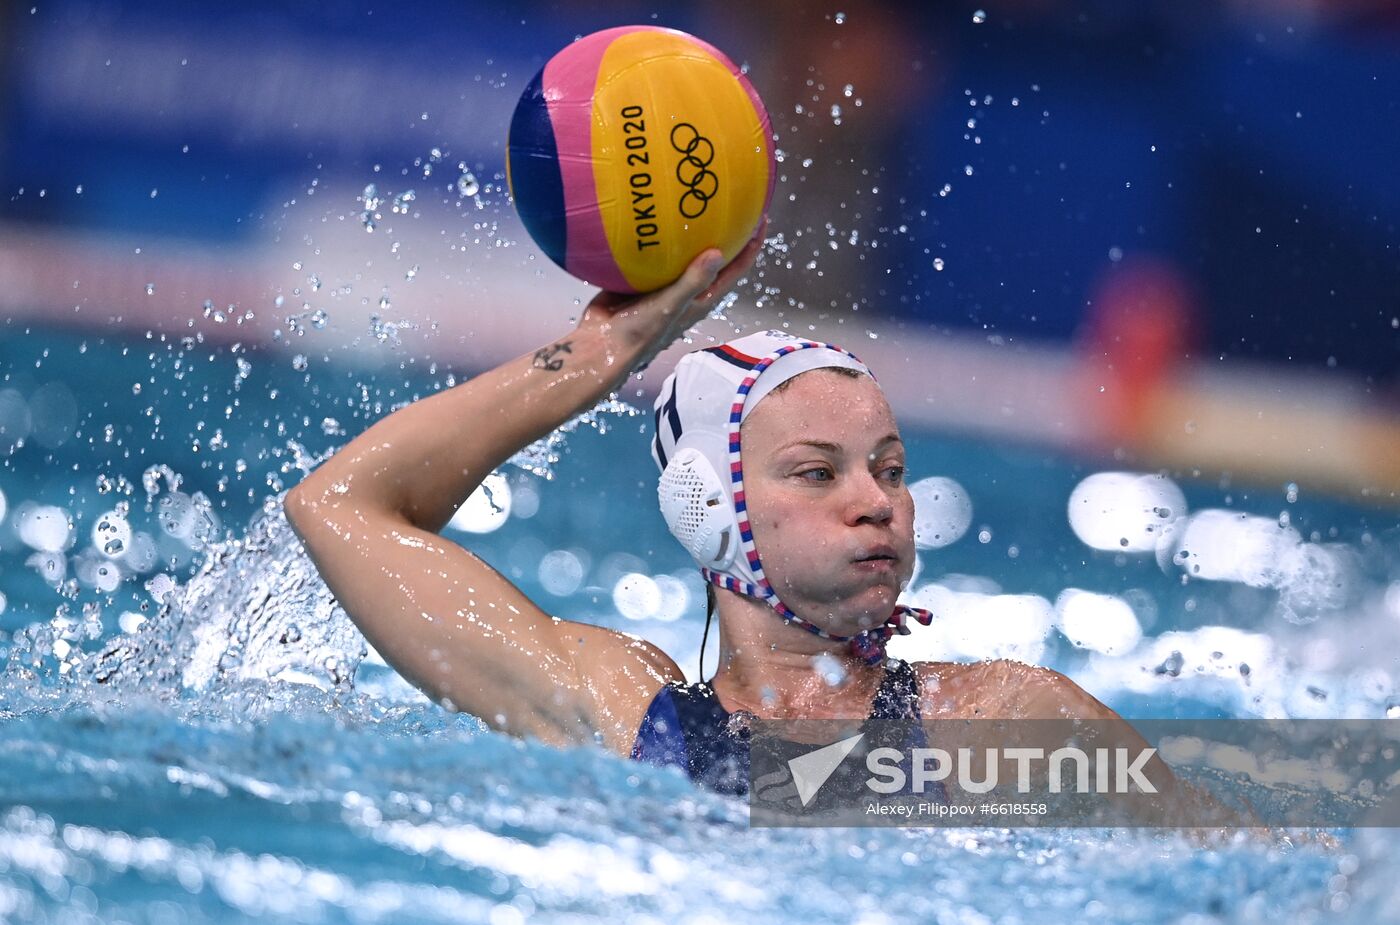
(1003, 688)
(600, 648)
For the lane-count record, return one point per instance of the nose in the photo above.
(871, 501)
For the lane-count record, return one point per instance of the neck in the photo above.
(773, 668)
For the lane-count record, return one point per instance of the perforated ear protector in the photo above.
(697, 510)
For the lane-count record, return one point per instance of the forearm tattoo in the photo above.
(548, 358)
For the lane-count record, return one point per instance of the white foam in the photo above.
(975, 625)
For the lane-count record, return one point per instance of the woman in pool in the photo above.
(820, 492)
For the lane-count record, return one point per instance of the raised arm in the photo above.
(446, 620)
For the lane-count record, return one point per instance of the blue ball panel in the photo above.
(535, 179)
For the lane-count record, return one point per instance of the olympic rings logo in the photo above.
(693, 171)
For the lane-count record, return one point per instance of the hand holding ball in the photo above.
(635, 149)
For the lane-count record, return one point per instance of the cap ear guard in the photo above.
(697, 509)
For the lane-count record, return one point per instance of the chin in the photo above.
(846, 611)
(871, 615)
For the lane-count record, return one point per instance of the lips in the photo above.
(878, 552)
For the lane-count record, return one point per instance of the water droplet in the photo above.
(467, 185)
(150, 288)
(1171, 665)
(318, 319)
(979, 17)
(111, 534)
(830, 669)
(412, 272)
(299, 362)
(384, 301)
(984, 535)
(938, 264)
(1290, 492)
(840, 18)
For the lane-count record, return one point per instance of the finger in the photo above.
(696, 279)
(734, 271)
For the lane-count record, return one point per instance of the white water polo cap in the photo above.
(697, 447)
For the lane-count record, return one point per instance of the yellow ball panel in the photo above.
(680, 157)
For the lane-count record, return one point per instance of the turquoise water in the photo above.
(190, 730)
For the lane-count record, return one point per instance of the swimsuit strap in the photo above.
(898, 696)
(686, 726)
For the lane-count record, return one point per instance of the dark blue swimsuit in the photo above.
(685, 726)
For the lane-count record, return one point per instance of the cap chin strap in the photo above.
(867, 645)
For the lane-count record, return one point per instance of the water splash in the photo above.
(256, 610)
(539, 457)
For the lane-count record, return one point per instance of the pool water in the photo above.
(191, 730)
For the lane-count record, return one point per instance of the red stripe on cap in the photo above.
(752, 361)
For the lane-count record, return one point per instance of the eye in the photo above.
(820, 469)
(898, 473)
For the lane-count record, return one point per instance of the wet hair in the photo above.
(839, 370)
(709, 588)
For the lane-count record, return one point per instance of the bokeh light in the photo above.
(1124, 511)
(486, 509)
(942, 512)
(1101, 622)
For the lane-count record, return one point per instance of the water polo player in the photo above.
(782, 473)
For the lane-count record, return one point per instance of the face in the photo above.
(824, 481)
